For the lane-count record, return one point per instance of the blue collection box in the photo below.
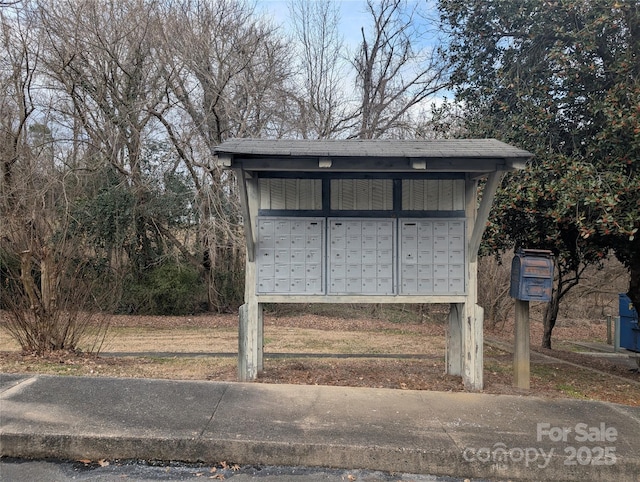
(629, 330)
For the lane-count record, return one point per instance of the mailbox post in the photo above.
(531, 280)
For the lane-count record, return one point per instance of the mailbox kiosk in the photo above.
(366, 221)
(532, 275)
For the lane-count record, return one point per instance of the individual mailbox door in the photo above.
(298, 241)
(532, 275)
(314, 241)
(314, 255)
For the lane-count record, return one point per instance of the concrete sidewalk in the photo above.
(458, 434)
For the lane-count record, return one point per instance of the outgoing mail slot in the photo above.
(532, 275)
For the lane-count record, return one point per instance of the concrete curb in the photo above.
(456, 434)
(372, 457)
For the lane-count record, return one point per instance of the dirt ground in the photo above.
(364, 350)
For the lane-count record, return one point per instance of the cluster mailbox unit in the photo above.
(366, 221)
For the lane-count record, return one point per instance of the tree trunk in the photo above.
(550, 317)
(634, 281)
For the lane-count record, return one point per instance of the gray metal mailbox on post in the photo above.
(532, 275)
(531, 280)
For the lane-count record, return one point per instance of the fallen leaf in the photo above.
(235, 467)
(103, 463)
(85, 461)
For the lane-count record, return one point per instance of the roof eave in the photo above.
(368, 164)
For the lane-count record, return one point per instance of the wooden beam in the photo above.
(482, 216)
(246, 214)
(370, 164)
(382, 299)
(224, 160)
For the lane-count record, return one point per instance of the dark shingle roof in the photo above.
(451, 155)
(449, 148)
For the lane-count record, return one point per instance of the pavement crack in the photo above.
(18, 386)
(213, 414)
(451, 438)
(626, 413)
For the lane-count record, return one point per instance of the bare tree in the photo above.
(50, 301)
(227, 73)
(322, 106)
(100, 55)
(19, 56)
(396, 69)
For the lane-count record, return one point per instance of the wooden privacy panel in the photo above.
(293, 194)
(361, 194)
(433, 195)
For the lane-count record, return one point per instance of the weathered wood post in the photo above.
(249, 341)
(251, 323)
(455, 356)
(470, 315)
(521, 357)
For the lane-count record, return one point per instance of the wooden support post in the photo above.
(521, 365)
(243, 341)
(472, 314)
(247, 190)
(248, 341)
(250, 328)
(260, 339)
(472, 376)
(455, 356)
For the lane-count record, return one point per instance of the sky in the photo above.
(353, 16)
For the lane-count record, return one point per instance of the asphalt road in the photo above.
(17, 470)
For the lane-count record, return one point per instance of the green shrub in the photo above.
(169, 289)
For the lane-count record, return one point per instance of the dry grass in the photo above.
(332, 350)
